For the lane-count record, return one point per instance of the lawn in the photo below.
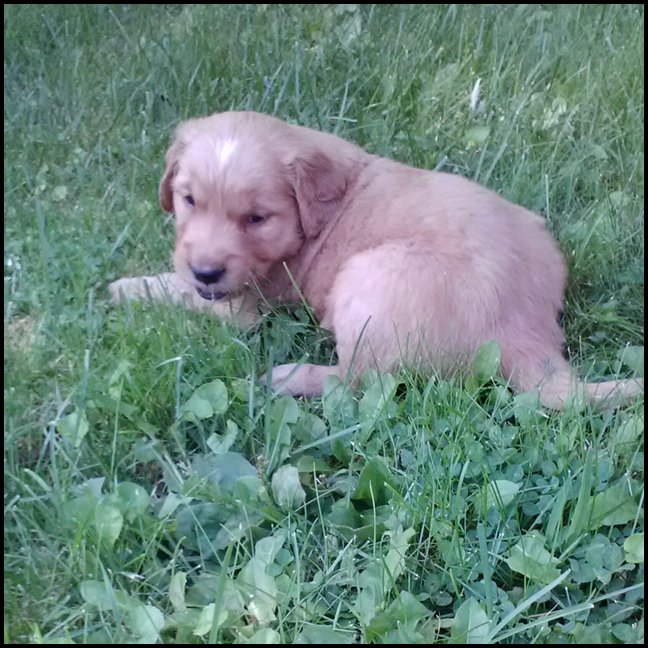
(156, 492)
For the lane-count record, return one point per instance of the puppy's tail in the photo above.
(558, 389)
(559, 384)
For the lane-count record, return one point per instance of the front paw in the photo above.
(126, 289)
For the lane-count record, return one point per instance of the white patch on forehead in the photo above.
(224, 150)
(209, 156)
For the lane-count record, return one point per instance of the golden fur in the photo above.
(404, 266)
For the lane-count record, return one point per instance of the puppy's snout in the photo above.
(208, 275)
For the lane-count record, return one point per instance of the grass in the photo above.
(155, 492)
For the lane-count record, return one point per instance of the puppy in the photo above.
(405, 266)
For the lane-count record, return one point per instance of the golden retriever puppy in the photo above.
(404, 266)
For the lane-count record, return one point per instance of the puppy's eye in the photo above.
(255, 219)
(190, 200)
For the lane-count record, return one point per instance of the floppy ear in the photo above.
(166, 193)
(319, 184)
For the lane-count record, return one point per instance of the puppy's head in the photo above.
(247, 191)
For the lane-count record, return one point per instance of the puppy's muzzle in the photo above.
(208, 276)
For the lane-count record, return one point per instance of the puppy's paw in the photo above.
(285, 379)
(125, 289)
(300, 379)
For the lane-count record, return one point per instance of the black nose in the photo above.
(208, 275)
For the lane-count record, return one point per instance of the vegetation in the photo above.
(154, 491)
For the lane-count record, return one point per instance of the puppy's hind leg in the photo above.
(375, 321)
